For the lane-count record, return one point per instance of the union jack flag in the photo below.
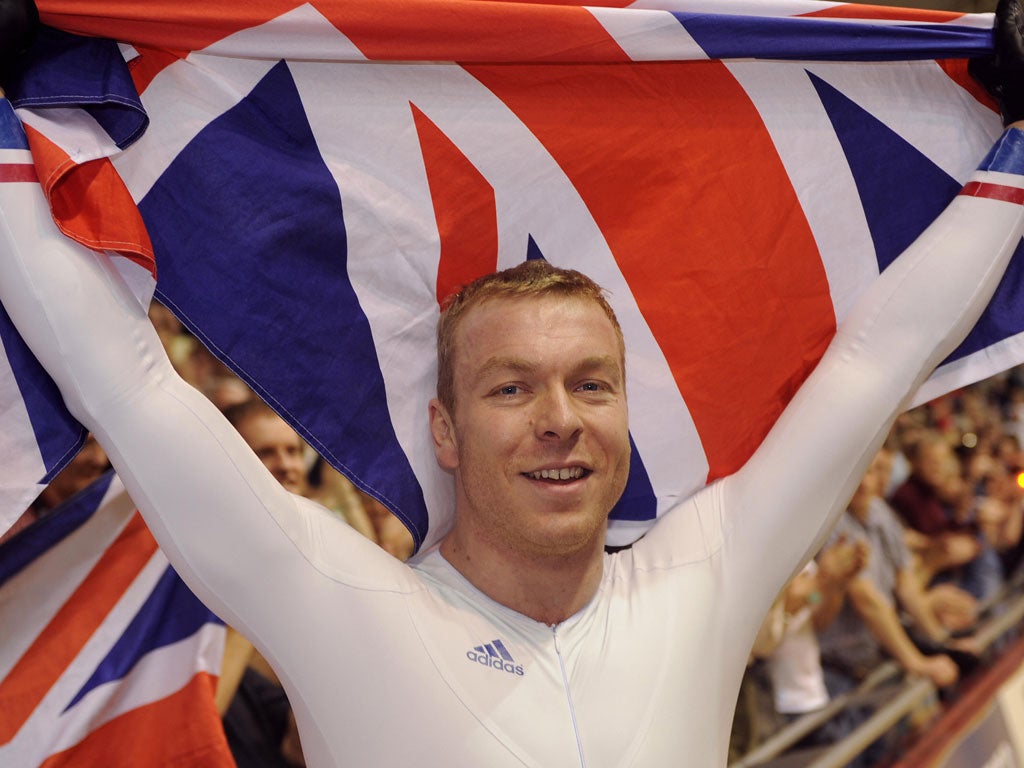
(309, 179)
(107, 658)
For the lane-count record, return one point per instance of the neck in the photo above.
(547, 587)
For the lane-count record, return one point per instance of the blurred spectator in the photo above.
(87, 465)
(257, 717)
(271, 438)
(172, 335)
(392, 535)
(336, 492)
(788, 638)
(939, 505)
(227, 391)
(869, 625)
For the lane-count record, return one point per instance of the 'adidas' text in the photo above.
(494, 662)
(496, 656)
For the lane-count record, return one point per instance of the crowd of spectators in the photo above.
(930, 538)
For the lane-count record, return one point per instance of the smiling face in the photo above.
(278, 446)
(538, 440)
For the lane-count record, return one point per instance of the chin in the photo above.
(569, 539)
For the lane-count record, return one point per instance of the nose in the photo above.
(281, 463)
(557, 416)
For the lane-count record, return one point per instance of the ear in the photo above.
(442, 429)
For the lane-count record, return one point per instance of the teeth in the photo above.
(565, 473)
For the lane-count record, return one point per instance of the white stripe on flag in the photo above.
(927, 108)
(73, 130)
(302, 34)
(38, 735)
(817, 168)
(15, 157)
(648, 35)
(374, 155)
(159, 674)
(191, 98)
(738, 7)
(32, 597)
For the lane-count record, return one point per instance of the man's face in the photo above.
(539, 439)
(874, 482)
(278, 446)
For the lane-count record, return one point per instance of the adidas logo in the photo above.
(496, 656)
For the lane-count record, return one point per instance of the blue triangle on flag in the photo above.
(269, 287)
(901, 190)
(638, 501)
(170, 614)
(533, 252)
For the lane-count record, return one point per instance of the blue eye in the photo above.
(509, 389)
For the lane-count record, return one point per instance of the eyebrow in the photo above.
(521, 366)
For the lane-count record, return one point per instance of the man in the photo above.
(274, 442)
(869, 622)
(938, 507)
(518, 642)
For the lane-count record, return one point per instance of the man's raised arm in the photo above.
(782, 503)
(225, 522)
(788, 495)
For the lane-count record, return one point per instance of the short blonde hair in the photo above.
(535, 278)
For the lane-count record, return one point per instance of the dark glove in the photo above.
(19, 20)
(1002, 74)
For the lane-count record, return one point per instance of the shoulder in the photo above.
(692, 531)
(338, 552)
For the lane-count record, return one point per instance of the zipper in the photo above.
(568, 696)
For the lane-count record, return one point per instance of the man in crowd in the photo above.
(869, 622)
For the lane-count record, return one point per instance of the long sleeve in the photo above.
(790, 493)
(226, 524)
(776, 511)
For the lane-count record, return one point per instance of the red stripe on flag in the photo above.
(704, 225)
(149, 63)
(464, 207)
(169, 24)
(90, 203)
(957, 71)
(18, 173)
(993, 192)
(858, 11)
(434, 30)
(470, 30)
(61, 641)
(182, 729)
